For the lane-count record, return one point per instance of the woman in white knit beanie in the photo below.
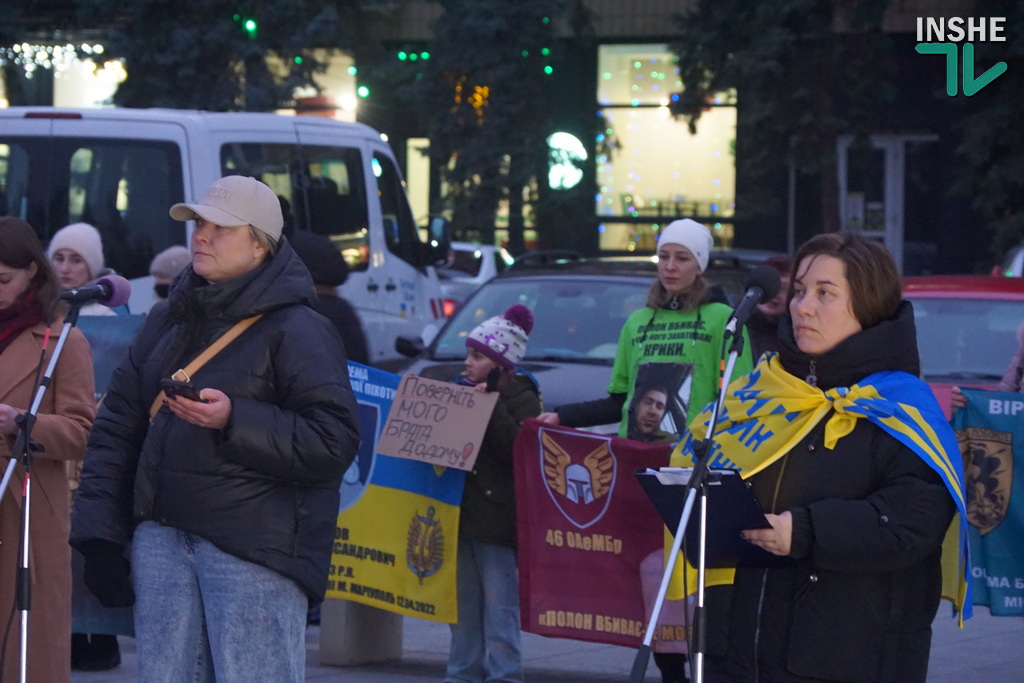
(678, 339)
(76, 253)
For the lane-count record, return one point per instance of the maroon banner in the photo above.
(585, 527)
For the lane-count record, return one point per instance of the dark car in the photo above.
(966, 329)
(579, 309)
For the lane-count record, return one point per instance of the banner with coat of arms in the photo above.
(398, 524)
(585, 529)
(991, 435)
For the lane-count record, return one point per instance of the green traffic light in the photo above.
(250, 27)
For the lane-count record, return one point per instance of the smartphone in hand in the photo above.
(173, 388)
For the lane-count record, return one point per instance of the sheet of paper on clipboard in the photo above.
(731, 509)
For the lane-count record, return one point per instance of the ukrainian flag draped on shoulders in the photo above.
(768, 412)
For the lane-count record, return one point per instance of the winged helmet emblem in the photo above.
(580, 483)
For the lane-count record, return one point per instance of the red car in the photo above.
(966, 329)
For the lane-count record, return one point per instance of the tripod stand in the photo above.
(695, 486)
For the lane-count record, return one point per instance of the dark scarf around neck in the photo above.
(18, 317)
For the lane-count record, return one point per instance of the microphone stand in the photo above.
(697, 484)
(24, 446)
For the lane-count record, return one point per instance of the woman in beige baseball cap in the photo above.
(230, 501)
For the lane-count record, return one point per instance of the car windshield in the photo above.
(966, 338)
(576, 319)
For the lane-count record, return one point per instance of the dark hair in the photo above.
(20, 248)
(658, 296)
(875, 286)
(325, 263)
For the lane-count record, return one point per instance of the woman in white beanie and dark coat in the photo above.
(677, 337)
(76, 254)
(485, 641)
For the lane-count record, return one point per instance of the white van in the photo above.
(122, 169)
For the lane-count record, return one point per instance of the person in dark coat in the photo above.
(763, 324)
(485, 641)
(231, 501)
(329, 271)
(857, 517)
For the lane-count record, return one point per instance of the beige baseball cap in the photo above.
(236, 200)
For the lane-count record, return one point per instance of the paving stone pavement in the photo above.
(989, 649)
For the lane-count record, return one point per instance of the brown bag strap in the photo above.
(185, 374)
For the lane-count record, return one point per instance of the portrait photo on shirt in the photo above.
(660, 401)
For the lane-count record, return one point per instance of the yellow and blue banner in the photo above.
(990, 431)
(398, 522)
(769, 411)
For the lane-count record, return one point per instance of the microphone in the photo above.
(109, 290)
(762, 284)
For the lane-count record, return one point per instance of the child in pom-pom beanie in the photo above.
(486, 637)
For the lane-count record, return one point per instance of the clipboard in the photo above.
(731, 509)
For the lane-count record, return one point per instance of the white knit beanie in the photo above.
(692, 235)
(84, 240)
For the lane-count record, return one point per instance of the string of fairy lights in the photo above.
(32, 57)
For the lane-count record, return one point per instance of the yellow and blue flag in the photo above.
(398, 524)
(769, 411)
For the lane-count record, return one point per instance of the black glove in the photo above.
(108, 573)
(493, 377)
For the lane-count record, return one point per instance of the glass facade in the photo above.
(650, 169)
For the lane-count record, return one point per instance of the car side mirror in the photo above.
(409, 346)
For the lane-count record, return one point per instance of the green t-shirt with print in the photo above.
(674, 356)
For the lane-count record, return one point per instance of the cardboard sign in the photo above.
(438, 423)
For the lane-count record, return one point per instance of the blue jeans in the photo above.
(485, 642)
(204, 615)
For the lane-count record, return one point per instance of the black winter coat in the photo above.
(488, 510)
(265, 488)
(346, 320)
(856, 599)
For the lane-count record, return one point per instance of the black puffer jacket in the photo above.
(265, 488)
(856, 599)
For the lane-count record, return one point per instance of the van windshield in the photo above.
(122, 187)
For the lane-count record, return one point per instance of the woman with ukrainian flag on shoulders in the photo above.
(860, 477)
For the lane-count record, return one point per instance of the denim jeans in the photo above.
(204, 615)
(485, 642)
